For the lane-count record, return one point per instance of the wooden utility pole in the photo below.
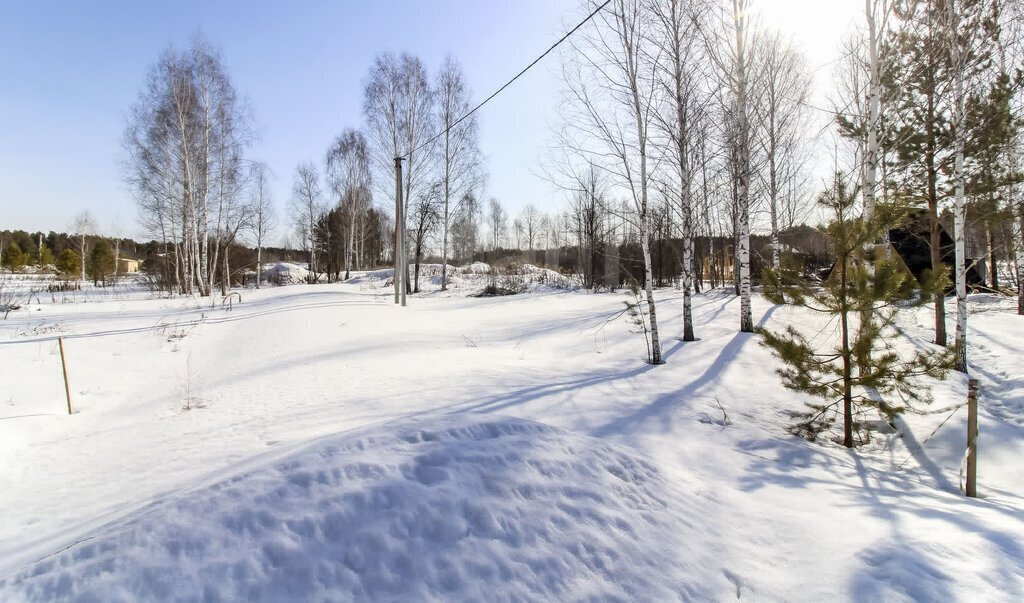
(399, 236)
(972, 438)
(64, 367)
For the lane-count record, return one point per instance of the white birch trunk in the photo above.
(683, 136)
(444, 249)
(743, 176)
(351, 244)
(1020, 270)
(259, 264)
(773, 191)
(1020, 252)
(874, 102)
(649, 290)
(959, 206)
(644, 226)
(447, 200)
(82, 259)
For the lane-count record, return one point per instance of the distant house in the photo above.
(911, 251)
(911, 243)
(128, 265)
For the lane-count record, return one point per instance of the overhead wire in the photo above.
(508, 83)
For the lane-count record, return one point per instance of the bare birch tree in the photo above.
(185, 142)
(397, 106)
(306, 207)
(684, 88)
(417, 118)
(457, 149)
(497, 221)
(83, 227)
(262, 207)
(957, 67)
(612, 96)
(348, 172)
(738, 75)
(425, 217)
(781, 108)
(531, 221)
(876, 13)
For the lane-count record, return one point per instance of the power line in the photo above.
(509, 83)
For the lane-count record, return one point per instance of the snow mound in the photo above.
(472, 279)
(379, 277)
(477, 508)
(478, 268)
(285, 273)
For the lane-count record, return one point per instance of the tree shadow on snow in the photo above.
(903, 561)
(663, 404)
(534, 392)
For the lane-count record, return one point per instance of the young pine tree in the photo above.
(101, 262)
(13, 258)
(861, 297)
(67, 263)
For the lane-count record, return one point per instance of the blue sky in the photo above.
(69, 71)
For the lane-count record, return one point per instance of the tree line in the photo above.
(703, 122)
(80, 254)
(686, 125)
(197, 192)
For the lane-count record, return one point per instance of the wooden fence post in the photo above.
(64, 366)
(972, 438)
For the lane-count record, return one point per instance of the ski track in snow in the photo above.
(131, 494)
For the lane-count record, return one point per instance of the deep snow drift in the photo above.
(472, 507)
(176, 398)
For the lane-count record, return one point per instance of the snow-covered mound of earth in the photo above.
(481, 508)
(474, 278)
(478, 268)
(285, 273)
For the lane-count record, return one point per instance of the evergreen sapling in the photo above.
(861, 298)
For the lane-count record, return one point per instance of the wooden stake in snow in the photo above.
(64, 367)
(972, 438)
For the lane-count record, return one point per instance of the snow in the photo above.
(42, 288)
(416, 510)
(285, 273)
(472, 279)
(340, 447)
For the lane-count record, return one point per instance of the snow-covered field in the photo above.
(318, 442)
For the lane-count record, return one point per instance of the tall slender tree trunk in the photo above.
(688, 285)
(1020, 261)
(743, 173)
(226, 280)
(960, 203)
(773, 206)
(874, 103)
(847, 360)
(993, 268)
(259, 263)
(682, 136)
(82, 259)
(351, 245)
(649, 291)
(628, 33)
(444, 226)
(935, 227)
(773, 185)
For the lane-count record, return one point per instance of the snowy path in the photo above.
(780, 518)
